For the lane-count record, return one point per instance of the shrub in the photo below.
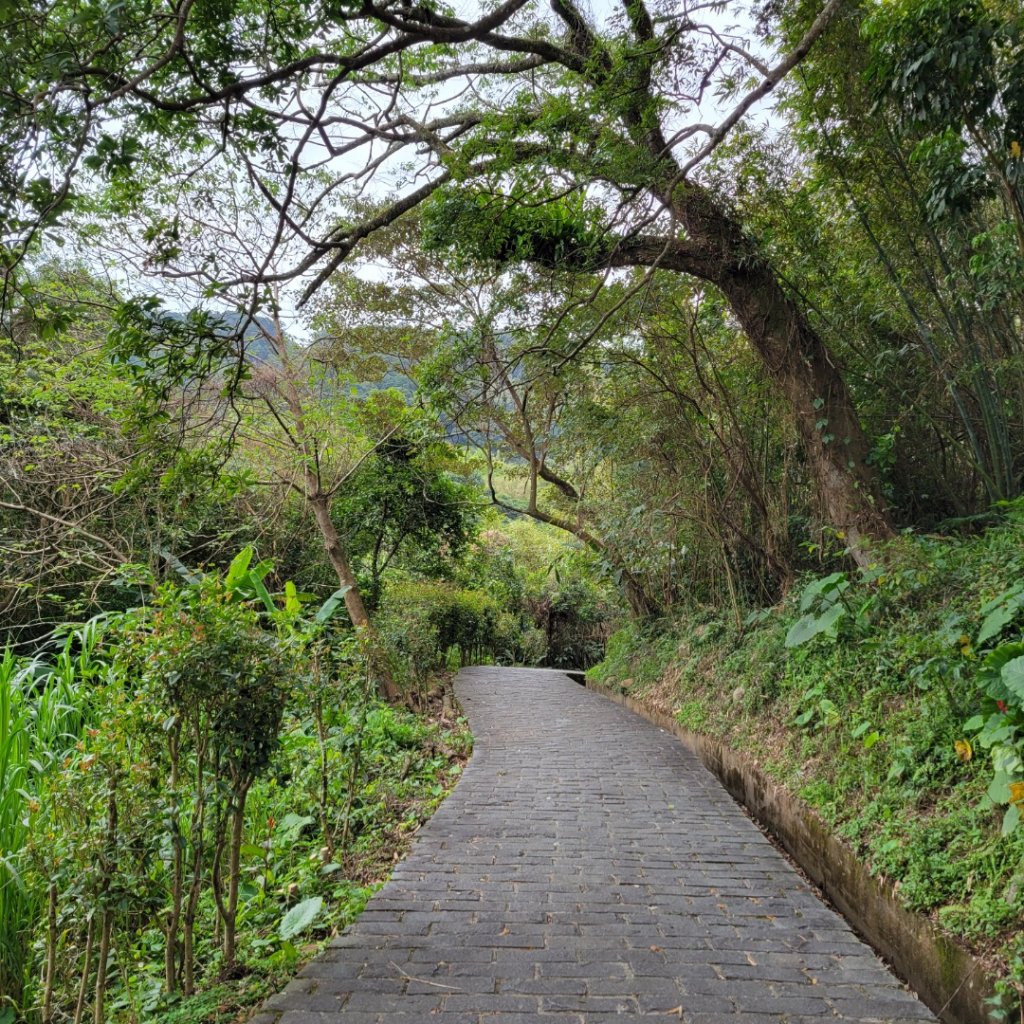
(421, 622)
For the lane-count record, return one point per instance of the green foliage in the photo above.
(401, 509)
(93, 471)
(944, 60)
(953, 71)
(559, 604)
(637, 655)
(164, 351)
(206, 660)
(421, 622)
(1000, 677)
(152, 734)
(45, 705)
(300, 917)
(911, 213)
(1000, 612)
(823, 608)
(526, 225)
(245, 580)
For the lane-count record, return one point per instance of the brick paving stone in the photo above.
(587, 867)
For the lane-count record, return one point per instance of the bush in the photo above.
(203, 783)
(421, 622)
(552, 587)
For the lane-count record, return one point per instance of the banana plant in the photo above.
(245, 580)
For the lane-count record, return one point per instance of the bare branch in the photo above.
(770, 80)
(68, 525)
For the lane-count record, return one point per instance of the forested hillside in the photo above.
(345, 344)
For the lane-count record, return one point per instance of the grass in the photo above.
(16, 907)
(227, 1003)
(42, 713)
(863, 721)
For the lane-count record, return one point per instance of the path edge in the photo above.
(949, 979)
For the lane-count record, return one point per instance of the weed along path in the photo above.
(588, 867)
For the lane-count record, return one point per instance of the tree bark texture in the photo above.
(796, 359)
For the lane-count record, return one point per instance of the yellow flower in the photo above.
(1017, 793)
(1015, 150)
(964, 750)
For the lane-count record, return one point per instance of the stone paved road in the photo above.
(587, 867)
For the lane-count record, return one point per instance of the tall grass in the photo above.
(43, 710)
(16, 902)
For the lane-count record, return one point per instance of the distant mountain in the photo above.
(259, 351)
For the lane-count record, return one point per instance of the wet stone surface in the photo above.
(587, 867)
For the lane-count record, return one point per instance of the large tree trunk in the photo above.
(797, 360)
(641, 604)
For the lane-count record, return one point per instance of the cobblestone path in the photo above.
(587, 867)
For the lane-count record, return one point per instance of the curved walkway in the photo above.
(588, 867)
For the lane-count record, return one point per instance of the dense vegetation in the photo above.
(344, 344)
(190, 799)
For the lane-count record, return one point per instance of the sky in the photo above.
(110, 251)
